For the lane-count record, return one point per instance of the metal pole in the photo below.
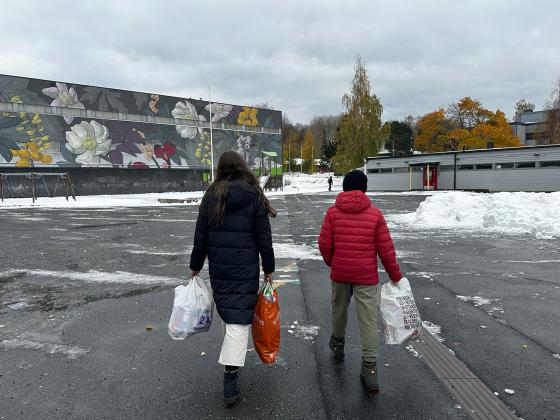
(289, 158)
(312, 160)
(455, 171)
(211, 137)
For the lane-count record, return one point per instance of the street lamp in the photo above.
(211, 138)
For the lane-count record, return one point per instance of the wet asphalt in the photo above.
(85, 297)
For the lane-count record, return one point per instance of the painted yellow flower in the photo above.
(22, 163)
(248, 116)
(46, 158)
(32, 146)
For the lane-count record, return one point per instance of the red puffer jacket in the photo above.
(354, 233)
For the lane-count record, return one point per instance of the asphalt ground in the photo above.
(85, 297)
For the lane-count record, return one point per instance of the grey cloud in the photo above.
(297, 56)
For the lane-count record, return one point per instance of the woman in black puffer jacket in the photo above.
(233, 229)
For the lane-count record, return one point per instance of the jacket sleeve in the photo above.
(200, 247)
(386, 249)
(263, 234)
(326, 240)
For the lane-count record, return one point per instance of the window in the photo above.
(373, 171)
(550, 164)
(445, 167)
(465, 167)
(385, 170)
(525, 165)
(397, 170)
(504, 165)
(484, 166)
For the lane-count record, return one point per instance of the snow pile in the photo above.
(506, 212)
(298, 182)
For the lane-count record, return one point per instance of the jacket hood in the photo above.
(240, 195)
(354, 201)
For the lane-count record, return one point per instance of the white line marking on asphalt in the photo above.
(95, 276)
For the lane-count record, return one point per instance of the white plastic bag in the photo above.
(399, 314)
(193, 308)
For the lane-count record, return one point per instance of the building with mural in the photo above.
(106, 134)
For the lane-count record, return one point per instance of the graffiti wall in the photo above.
(29, 139)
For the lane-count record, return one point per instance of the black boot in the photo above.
(337, 347)
(368, 375)
(231, 388)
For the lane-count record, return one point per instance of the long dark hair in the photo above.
(231, 167)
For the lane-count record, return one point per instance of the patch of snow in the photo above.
(304, 332)
(434, 330)
(412, 351)
(302, 183)
(476, 300)
(72, 352)
(556, 356)
(506, 212)
(17, 306)
(509, 391)
(296, 251)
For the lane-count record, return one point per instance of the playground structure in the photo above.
(270, 172)
(39, 189)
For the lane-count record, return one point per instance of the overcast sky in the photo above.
(298, 56)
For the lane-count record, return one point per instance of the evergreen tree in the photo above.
(360, 133)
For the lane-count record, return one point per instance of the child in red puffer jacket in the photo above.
(353, 235)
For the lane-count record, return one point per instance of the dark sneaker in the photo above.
(337, 347)
(231, 387)
(368, 375)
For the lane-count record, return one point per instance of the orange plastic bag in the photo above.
(266, 324)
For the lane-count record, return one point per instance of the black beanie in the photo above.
(355, 180)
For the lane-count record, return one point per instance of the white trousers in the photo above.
(234, 348)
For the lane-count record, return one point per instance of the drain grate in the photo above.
(469, 391)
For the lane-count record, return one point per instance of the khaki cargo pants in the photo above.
(365, 298)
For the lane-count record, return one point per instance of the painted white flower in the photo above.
(88, 141)
(64, 97)
(187, 111)
(218, 111)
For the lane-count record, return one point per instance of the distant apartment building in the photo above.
(530, 128)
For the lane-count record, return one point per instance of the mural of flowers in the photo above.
(218, 111)
(164, 152)
(153, 103)
(32, 153)
(243, 146)
(147, 150)
(89, 141)
(64, 97)
(248, 116)
(202, 152)
(187, 111)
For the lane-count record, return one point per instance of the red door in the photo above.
(430, 177)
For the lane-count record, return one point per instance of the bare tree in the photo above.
(552, 118)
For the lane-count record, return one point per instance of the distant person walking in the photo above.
(330, 181)
(353, 235)
(233, 229)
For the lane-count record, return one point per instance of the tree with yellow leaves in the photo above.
(465, 124)
(308, 151)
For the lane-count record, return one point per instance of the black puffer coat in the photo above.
(233, 251)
